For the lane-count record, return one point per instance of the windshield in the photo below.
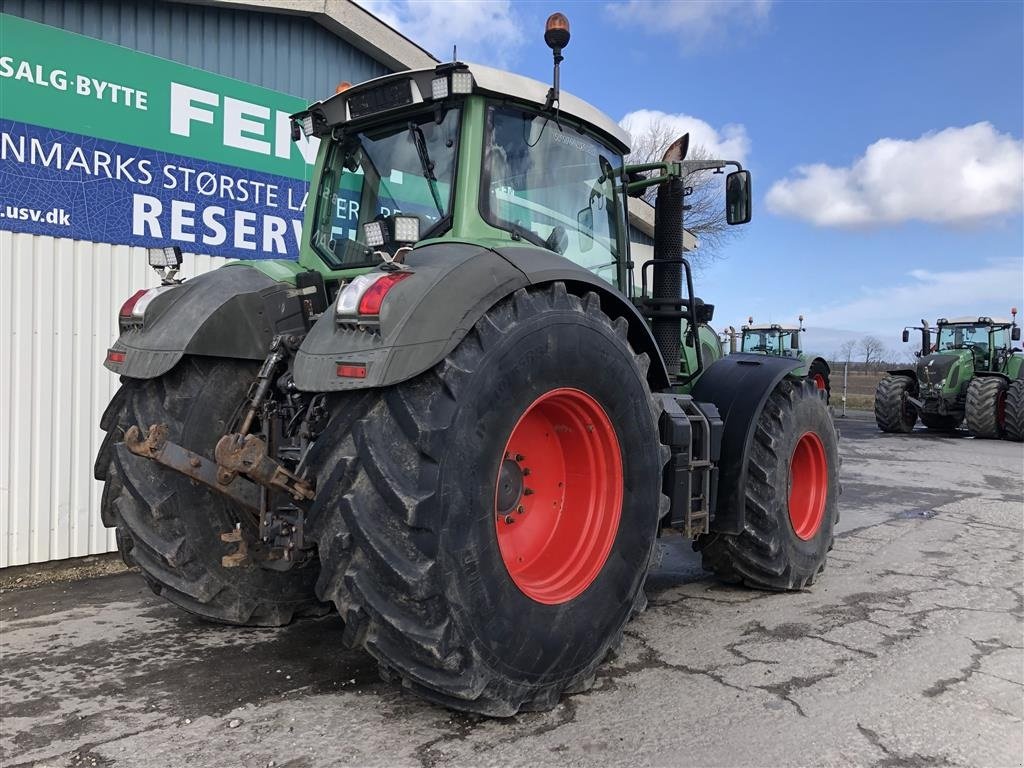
(762, 341)
(553, 186)
(960, 336)
(405, 167)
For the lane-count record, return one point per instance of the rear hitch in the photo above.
(247, 454)
(156, 447)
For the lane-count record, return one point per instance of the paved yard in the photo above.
(907, 652)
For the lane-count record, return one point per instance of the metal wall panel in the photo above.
(288, 53)
(58, 314)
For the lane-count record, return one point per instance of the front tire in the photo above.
(170, 526)
(418, 539)
(986, 407)
(892, 411)
(791, 497)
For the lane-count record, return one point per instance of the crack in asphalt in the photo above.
(894, 759)
(983, 648)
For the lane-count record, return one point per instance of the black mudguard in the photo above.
(426, 316)
(738, 385)
(231, 312)
(903, 372)
(824, 362)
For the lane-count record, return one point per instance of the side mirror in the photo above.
(917, 353)
(794, 341)
(906, 335)
(585, 228)
(1015, 334)
(737, 197)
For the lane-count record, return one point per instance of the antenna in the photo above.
(455, 52)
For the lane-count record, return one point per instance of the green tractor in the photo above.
(972, 371)
(783, 341)
(458, 422)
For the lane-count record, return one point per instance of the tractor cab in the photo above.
(463, 153)
(986, 341)
(771, 339)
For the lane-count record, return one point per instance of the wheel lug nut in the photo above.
(509, 519)
(526, 471)
(519, 457)
(527, 491)
(520, 509)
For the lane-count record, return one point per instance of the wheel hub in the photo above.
(510, 486)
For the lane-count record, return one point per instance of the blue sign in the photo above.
(69, 185)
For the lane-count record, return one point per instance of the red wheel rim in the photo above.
(1001, 408)
(558, 496)
(808, 485)
(819, 381)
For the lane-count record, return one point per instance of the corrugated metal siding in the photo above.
(58, 314)
(291, 54)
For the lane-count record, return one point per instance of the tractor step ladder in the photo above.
(698, 517)
(692, 432)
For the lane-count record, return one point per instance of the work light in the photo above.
(165, 258)
(306, 121)
(373, 233)
(407, 229)
(462, 81)
(439, 88)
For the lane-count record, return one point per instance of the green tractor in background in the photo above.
(784, 341)
(458, 422)
(972, 372)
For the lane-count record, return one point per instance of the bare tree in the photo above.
(705, 216)
(846, 349)
(872, 348)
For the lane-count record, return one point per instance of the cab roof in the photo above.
(770, 327)
(335, 110)
(974, 321)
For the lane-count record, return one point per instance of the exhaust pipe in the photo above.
(668, 277)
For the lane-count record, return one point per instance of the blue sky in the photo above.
(905, 117)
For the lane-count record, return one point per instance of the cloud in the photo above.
(955, 176)
(989, 289)
(485, 32)
(729, 142)
(690, 21)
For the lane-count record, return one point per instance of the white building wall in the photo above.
(58, 315)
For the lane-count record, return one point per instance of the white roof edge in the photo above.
(641, 216)
(348, 21)
(770, 327)
(976, 318)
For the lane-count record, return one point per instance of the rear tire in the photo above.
(938, 422)
(986, 407)
(892, 411)
(787, 535)
(168, 525)
(410, 545)
(1015, 411)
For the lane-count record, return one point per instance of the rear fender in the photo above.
(232, 312)
(426, 316)
(823, 363)
(992, 375)
(738, 385)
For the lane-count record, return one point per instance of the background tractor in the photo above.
(783, 341)
(971, 371)
(458, 422)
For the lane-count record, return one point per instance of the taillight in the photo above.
(366, 293)
(373, 297)
(135, 307)
(129, 306)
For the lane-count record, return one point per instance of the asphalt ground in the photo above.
(908, 652)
